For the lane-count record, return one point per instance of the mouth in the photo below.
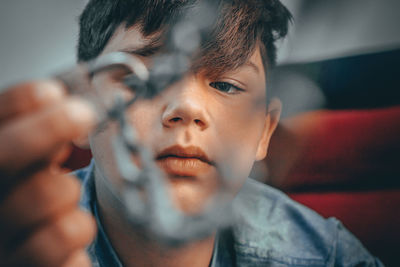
(181, 161)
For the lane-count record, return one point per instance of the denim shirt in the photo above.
(270, 230)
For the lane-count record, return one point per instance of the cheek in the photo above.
(239, 131)
(142, 117)
(145, 118)
(102, 151)
(241, 122)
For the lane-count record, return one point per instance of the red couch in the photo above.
(344, 164)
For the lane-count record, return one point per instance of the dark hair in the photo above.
(242, 24)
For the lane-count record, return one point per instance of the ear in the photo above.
(271, 121)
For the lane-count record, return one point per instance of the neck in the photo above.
(133, 249)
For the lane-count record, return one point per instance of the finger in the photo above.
(61, 156)
(78, 259)
(30, 139)
(54, 243)
(29, 96)
(40, 198)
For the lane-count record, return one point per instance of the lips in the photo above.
(184, 161)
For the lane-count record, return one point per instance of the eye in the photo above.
(226, 87)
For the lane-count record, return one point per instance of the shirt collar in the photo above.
(100, 251)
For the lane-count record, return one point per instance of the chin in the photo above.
(190, 196)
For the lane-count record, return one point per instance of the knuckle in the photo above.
(20, 95)
(78, 112)
(28, 95)
(75, 187)
(36, 93)
(87, 226)
(42, 188)
(74, 230)
(53, 191)
(63, 232)
(79, 258)
(69, 120)
(57, 127)
(39, 199)
(68, 187)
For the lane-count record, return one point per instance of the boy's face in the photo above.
(197, 127)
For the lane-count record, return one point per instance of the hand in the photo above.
(40, 221)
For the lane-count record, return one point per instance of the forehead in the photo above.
(132, 40)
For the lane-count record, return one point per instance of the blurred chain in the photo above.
(143, 192)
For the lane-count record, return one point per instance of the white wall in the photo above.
(37, 37)
(333, 28)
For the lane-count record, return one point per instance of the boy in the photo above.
(197, 126)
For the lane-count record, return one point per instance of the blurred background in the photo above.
(337, 147)
(37, 37)
(340, 54)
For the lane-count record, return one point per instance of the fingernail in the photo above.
(80, 111)
(49, 90)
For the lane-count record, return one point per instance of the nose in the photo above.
(186, 106)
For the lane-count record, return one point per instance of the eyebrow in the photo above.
(145, 51)
(253, 66)
(148, 49)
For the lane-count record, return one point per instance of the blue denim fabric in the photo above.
(270, 230)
